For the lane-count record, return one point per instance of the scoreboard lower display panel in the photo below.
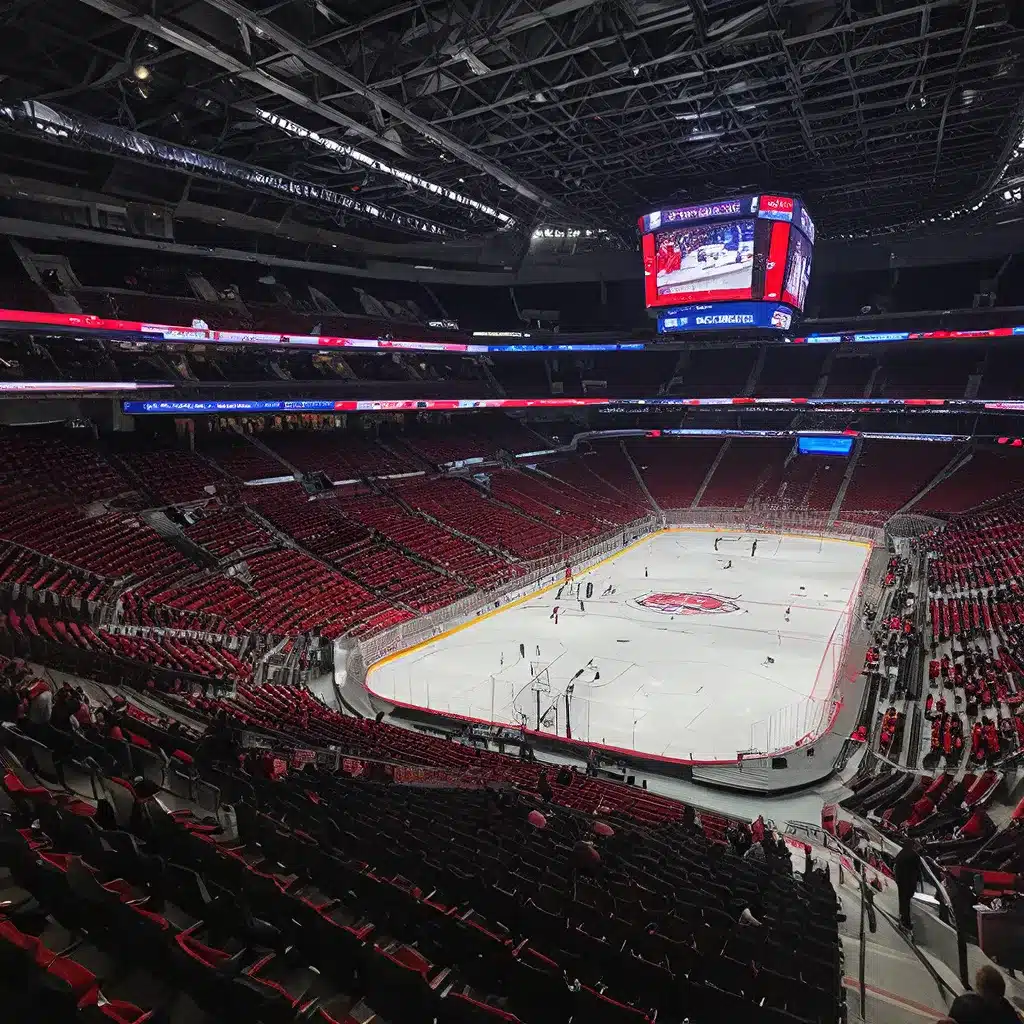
(724, 316)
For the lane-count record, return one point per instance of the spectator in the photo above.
(987, 1004)
(40, 702)
(585, 858)
(752, 914)
(544, 788)
(906, 870)
(690, 820)
(83, 714)
(755, 853)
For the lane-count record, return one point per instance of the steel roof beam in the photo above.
(782, 100)
(431, 68)
(707, 50)
(186, 40)
(424, 128)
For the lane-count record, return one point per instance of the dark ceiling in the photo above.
(572, 113)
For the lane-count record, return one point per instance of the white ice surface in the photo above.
(688, 686)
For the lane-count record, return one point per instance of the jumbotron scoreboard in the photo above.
(736, 263)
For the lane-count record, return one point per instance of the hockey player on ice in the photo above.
(787, 615)
(554, 614)
(753, 549)
(768, 661)
(717, 539)
(522, 650)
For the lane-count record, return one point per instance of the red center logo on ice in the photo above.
(688, 604)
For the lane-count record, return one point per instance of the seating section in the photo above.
(985, 477)
(77, 645)
(1003, 377)
(333, 898)
(944, 811)
(278, 561)
(809, 483)
(112, 545)
(888, 474)
(55, 465)
(957, 707)
(426, 540)
(476, 437)
(849, 377)
(394, 575)
(790, 371)
(559, 509)
(175, 476)
(318, 526)
(673, 473)
(977, 635)
(907, 375)
(341, 455)
(239, 457)
(604, 475)
(227, 532)
(284, 592)
(591, 498)
(748, 466)
(462, 507)
(25, 569)
(715, 373)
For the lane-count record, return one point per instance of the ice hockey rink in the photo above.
(677, 653)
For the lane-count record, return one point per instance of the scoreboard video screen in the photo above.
(739, 253)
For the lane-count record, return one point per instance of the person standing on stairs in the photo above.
(906, 870)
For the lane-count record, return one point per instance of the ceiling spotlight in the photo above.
(635, 71)
(141, 72)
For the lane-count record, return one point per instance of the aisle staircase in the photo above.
(710, 473)
(851, 468)
(964, 453)
(639, 477)
(268, 451)
(906, 979)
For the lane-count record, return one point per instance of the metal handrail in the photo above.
(828, 840)
(933, 876)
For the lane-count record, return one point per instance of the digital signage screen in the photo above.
(723, 316)
(828, 445)
(798, 269)
(752, 248)
(702, 261)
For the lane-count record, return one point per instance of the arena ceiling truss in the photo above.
(455, 118)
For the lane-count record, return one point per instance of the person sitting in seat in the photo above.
(987, 1004)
